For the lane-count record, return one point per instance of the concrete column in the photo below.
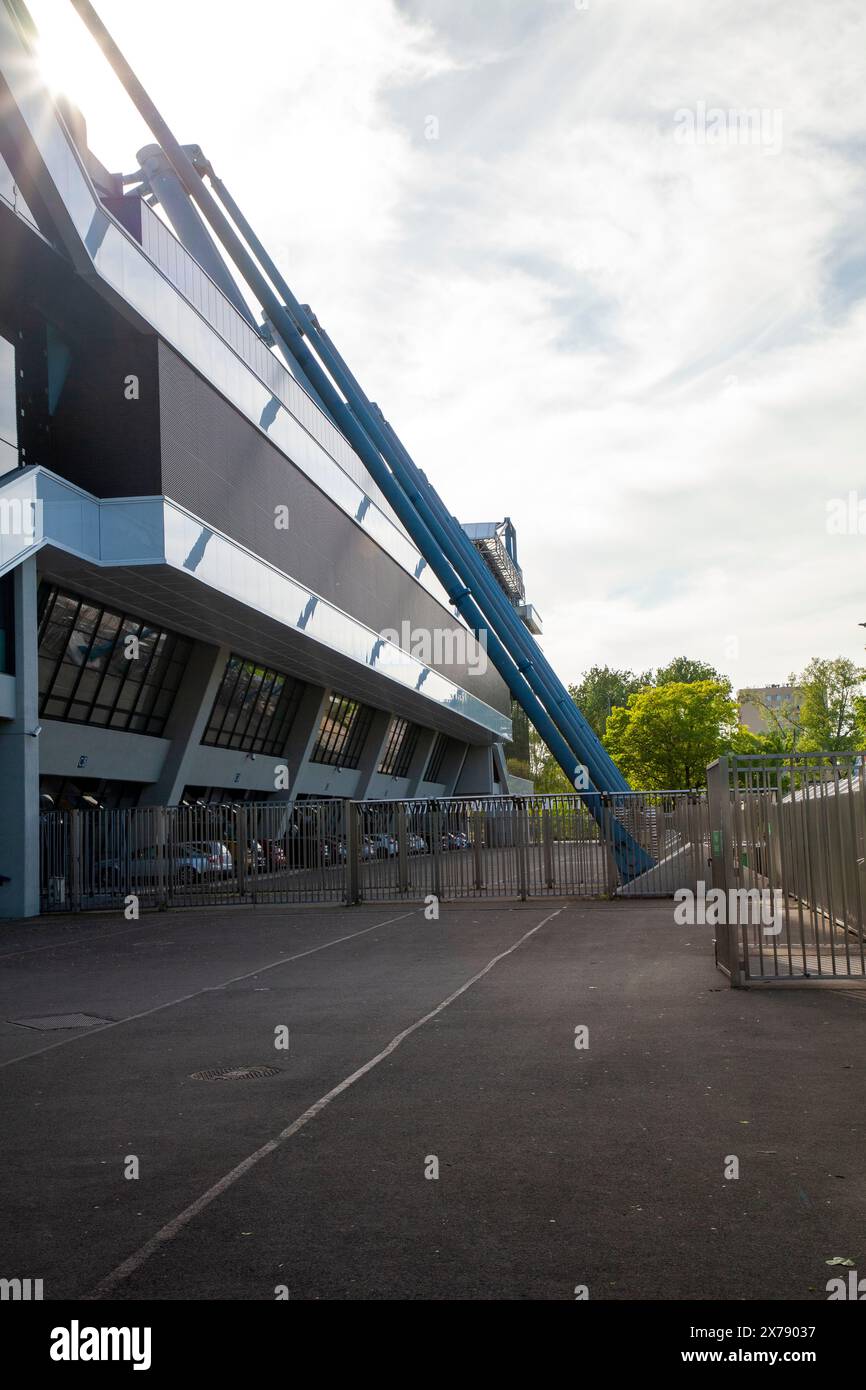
(426, 739)
(371, 753)
(187, 722)
(19, 760)
(501, 767)
(303, 734)
(476, 775)
(452, 766)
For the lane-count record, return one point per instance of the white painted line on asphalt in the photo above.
(146, 924)
(109, 934)
(206, 989)
(177, 1224)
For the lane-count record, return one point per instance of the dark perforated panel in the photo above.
(226, 472)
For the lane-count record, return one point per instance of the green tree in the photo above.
(545, 771)
(683, 671)
(828, 710)
(602, 689)
(665, 736)
(746, 741)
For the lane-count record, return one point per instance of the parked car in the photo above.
(109, 876)
(335, 852)
(255, 857)
(192, 863)
(217, 856)
(274, 855)
(417, 844)
(384, 846)
(304, 846)
(455, 839)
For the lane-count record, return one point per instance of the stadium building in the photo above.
(204, 594)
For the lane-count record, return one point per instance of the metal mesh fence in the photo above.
(794, 830)
(341, 851)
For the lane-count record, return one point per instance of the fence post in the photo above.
(241, 837)
(353, 850)
(402, 828)
(164, 861)
(547, 842)
(75, 866)
(721, 849)
(477, 841)
(606, 839)
(436, 850)
(520, 836)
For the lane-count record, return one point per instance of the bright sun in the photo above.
(68, 57)
(71, 64)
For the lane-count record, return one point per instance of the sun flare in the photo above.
(69, 60)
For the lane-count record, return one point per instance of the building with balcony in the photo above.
(197, 569)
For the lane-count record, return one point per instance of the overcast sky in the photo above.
(603, 265)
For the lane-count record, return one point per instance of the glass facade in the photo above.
(400, 745)
(97, 666)
(342, 734)
(254, 708)
(8, 408)
(11, 195)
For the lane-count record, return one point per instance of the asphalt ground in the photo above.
(418, 1047)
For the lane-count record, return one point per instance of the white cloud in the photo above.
(649, 354)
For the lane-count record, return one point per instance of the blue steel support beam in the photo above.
(168, 190)
(459, 551)
(567, 715)
(630, 856)
(203, 166)
(470, 565)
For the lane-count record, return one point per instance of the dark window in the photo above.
(8, 408)
(97, 666)
(87, 793)
(341, 737)
(436, 759)
(220, 796)
(400, 748)
(254, 708)
(7, 625)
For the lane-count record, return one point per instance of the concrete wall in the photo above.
(217, 464)
(7, 697)
(19, 762)
(84, 750)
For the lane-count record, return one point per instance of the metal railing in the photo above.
(181, 856)
(342, 851)
(789, 851)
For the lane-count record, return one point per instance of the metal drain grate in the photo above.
(50, 1023)
(234, 1074)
